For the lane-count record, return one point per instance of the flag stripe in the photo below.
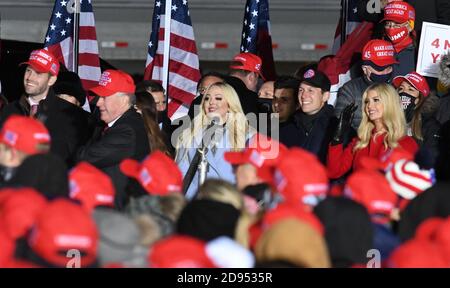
(59, 40)
(179, 29)
(87, 19)
(186, 71)
(89, 72)
(88, 33)
(183, 63)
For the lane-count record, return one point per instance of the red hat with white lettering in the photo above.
(416, 80)
(399, 12)
(248, 62)
(372, 190)
(43, 62)
(179, 252)
(112, 82)
(63, 226)
(300, 178)
(262, 152)
(91, 186)
(25, 134)
(158, 173)
(379, 52)
(19, 210)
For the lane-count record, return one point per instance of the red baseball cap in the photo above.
(262, 152)
(379, 52)
(179, 252)
(399, 12)
(416, 80)
(112, 82)
(248, 62)
(25, 134)
(19, 210)
(386, 160)
(158, 173)
(91, 186)
(300, 177)
(418, 253)
(283, 211)
(371, 189)
(62, 226)
(8, 248)
(43, 62)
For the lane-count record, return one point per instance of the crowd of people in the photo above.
(257, 174)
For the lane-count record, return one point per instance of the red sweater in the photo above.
(340, 160)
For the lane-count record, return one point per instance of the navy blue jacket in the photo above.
(294, 133)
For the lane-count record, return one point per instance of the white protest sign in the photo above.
(434, 44)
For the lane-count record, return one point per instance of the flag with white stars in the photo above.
(184, 71)
(59, 40)
(256, 37)
(349, 12)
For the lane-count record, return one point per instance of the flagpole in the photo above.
(76, 36)
(344, 21)
(167, 29)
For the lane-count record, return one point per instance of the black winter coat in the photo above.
(294, 133)
(127, 138)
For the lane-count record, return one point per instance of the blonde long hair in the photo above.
(236, 124)
(393, 117)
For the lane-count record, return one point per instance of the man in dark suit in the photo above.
(40, 101)
(124, 135)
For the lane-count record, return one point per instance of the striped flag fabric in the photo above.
(338, 67)
(256, 35)
(184, 72)
(59, 40)
(348, 21)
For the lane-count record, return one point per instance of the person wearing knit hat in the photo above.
(20, 137)
(378, 58)
(47, 173)
(348, 230)
(68, 87)
(217, 211)
(407, 180)
(119, 239)
(398, 22)
(293, 241)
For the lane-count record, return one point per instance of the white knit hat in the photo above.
(408, 180)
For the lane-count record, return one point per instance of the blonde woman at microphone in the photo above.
(220, 104)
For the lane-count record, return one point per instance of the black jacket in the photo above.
(316, 139)
(352, 91)
(67, 124)
(127, 138)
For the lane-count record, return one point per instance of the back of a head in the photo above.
(47, 173)
(348, 230)
(119, 239)
(293, 241)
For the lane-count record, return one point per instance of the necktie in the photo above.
(34, 109)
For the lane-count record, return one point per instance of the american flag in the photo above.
(348, 21)
(59, 40)
(184, 70)
(256, 36)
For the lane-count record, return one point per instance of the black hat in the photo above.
(317, 79)
(70, 83)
